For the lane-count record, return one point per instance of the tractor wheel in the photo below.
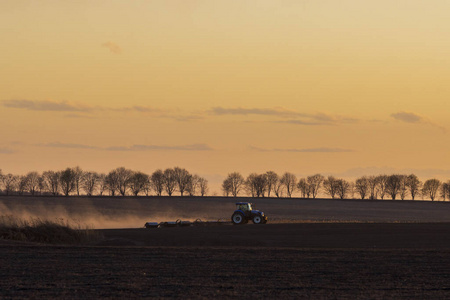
(237, 218)
(257, 220)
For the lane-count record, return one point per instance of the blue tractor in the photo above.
(245, 213)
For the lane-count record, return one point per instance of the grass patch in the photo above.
(37, 230)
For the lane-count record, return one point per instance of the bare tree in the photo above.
(193, 185)
(414, 185)
(233, 184)
(22, 184)
(330, 186)
(90, 182)
(382, 185)
(271, 181)
(342, 188)
(373, 182)
(112, 182)
(157, 182)
(393, 185)
(362, 186)
(445, 190)
(182, 178)
(431, 187)
(403, 186)
(102, 184)
(124, 177)
(67, 180)
(10, 182)
(170, 181)
(78, 179)
(203, 184)
(303, 187)
(278, 188)
(32, 182)
(290, 182)
(256, 184)
(314, 183)
(137, 182)
(52, 181)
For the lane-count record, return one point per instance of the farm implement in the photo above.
(241, 215)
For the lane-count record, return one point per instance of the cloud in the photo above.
(413, 118)
(304, 150)
(6, 151)
(407, 117)
(277, 111)
(294, 117)
(193, 147)
(113, 47)
(67, 145)
(34, 105)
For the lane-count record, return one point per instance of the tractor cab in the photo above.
(244, 206)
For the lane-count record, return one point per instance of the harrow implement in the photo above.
(180, 223)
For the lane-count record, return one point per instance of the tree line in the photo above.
(120, 181)
(393, 186)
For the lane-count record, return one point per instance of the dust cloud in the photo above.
(106, 213)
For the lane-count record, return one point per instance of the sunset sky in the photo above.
(344, 87)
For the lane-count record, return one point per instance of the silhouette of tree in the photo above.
(445, 190)
(203, 184)
(393, 185)
(90, 182)
(112, 182)
(304, 188)
(182, 178)
(271, 181)
(138, 182)
(78, 179)
(32, 182)
(342, 188)
(102, 184)
(289, 181)
(278, 187)
(373, 182)
(22, 184)
(362, 186)
(382, 185)
(431, 187)
(193, 185)
(67, 180)
(52, 181)
(170, 181)
(403, 186)
(414, 185)
(330, 186)
(157, 182)
(10, 183)
(233, 184)
(314, 183)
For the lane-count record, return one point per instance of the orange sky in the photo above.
(337, 87)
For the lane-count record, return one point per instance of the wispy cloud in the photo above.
(191, 147)
(67, 145)
(7, 151)
(303, 150)
(62, 106)
(113, 47)
(413, 118)
(408, 117)
(293, 117)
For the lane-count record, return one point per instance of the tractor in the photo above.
(245, 213)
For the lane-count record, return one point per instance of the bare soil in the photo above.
(375, 258)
